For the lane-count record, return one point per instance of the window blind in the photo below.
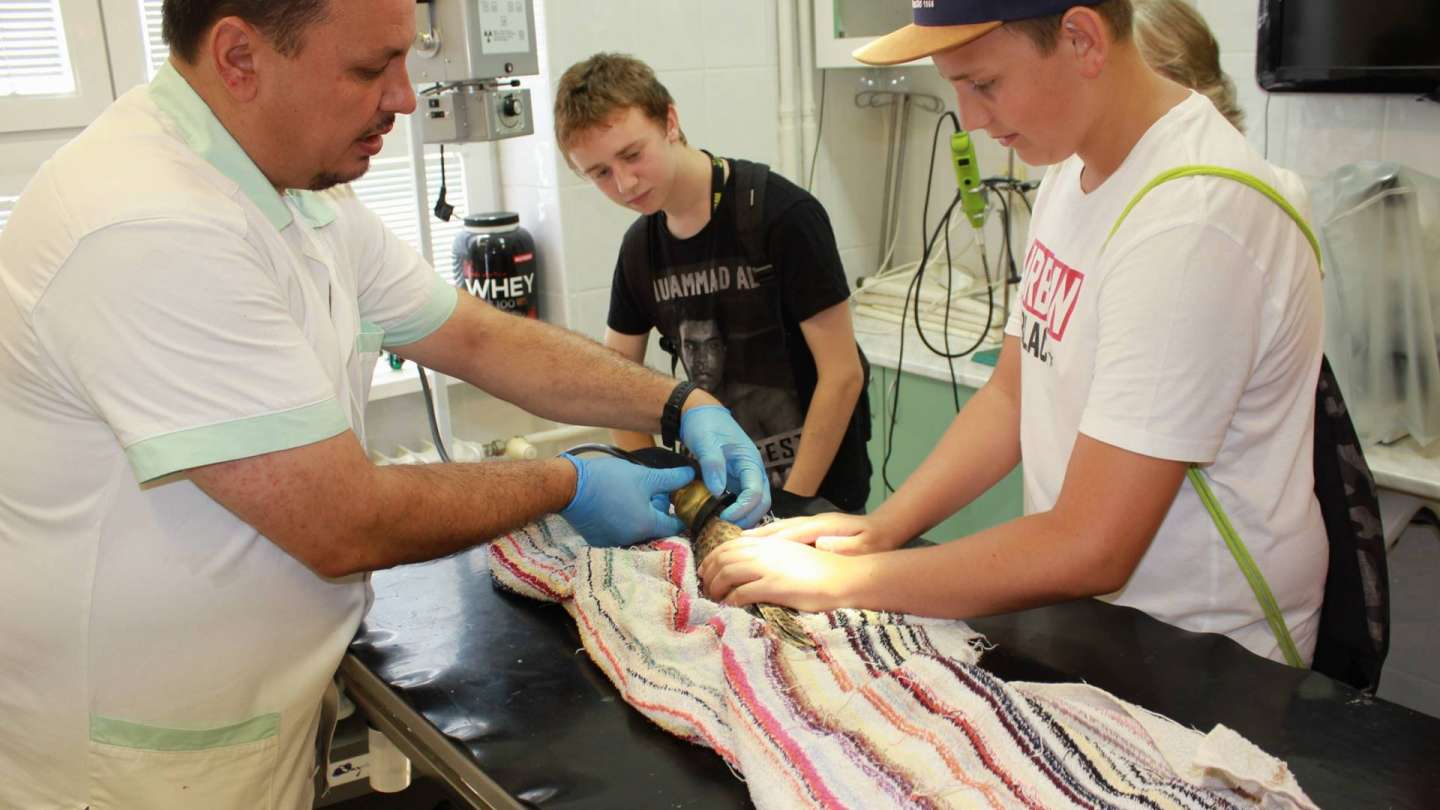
(388, 189)
(34, 59)
(156, 52)
(6, 204)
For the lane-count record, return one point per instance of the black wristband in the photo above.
(670, 416)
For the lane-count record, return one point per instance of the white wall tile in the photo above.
(539, 210)
(534, 161)
(576, 29)
(555, 307)
(849, 171)
(687, 87)
(588, 311)
(738, 33)
(1232, 21)
(859, 261)
(1412, 134)
(1327, 131)
(741, 106)
(668, 33)
(593, 229)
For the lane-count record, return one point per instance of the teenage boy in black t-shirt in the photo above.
(758, 319)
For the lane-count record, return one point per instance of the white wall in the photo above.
(1313, 134)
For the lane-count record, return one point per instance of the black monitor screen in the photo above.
(1347, 45)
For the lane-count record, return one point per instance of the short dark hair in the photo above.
(1045, 31)
(184, 22)
(593, 90)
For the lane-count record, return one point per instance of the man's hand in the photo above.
(835, 532)
(724, 451)
(762, 569)
(617, 503)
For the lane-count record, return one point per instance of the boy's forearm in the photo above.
(1020, 564)
(826, 421)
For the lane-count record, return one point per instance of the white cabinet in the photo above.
(841, 26)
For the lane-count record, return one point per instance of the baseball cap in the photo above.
(944, 24)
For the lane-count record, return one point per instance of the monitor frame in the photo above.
(1273, 76)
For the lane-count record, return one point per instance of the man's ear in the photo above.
(231, 50)
(1086, 39)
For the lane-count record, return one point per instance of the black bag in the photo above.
(1354, 634)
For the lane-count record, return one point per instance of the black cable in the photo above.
(911, 290)
(819, 129)
(1267, 127)
(443, 209)
(1007, 251)
(945, 324)
(430, 414)
(607, 449)
(989, 292)
(930, 176)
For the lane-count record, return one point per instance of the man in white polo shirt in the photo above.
(186, 507)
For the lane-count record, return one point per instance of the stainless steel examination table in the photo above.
(493, 692)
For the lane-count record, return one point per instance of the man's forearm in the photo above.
(546, 370)
(564, 376)
(421, 512)
(327, 505)
(826, 421)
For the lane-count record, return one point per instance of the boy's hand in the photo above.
(835, 532)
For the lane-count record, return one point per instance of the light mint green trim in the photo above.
(314, 207)
(1247, 565)
(1258, 585)
(370, 339)
(209, 138)
(241, 438)
(122, 733)
(438, 308)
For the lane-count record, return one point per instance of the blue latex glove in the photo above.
(617, 503)
(724, 451)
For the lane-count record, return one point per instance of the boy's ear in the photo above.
(1087, 38)
(672, 125)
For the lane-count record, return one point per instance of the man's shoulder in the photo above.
(127, 166)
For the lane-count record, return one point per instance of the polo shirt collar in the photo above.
(204, 133)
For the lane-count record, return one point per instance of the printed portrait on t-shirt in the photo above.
(769, 414)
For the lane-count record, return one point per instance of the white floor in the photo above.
(1411, 676)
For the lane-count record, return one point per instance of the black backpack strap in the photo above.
(1354, 634)
(750, 182)
(635, 258)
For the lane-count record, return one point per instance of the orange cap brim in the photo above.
(914, 41)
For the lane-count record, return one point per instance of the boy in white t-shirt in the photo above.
(1193, 337)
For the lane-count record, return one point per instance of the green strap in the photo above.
(1258, 585)
(1238, 176)
(1247, 567)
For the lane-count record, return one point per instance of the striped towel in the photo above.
(890, 710)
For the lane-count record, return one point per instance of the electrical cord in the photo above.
(607, 449)
(819, 129)
(912, 290)
(430, 414)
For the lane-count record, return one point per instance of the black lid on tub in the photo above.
(492, 219)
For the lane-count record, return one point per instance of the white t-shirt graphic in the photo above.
(1196, 336)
